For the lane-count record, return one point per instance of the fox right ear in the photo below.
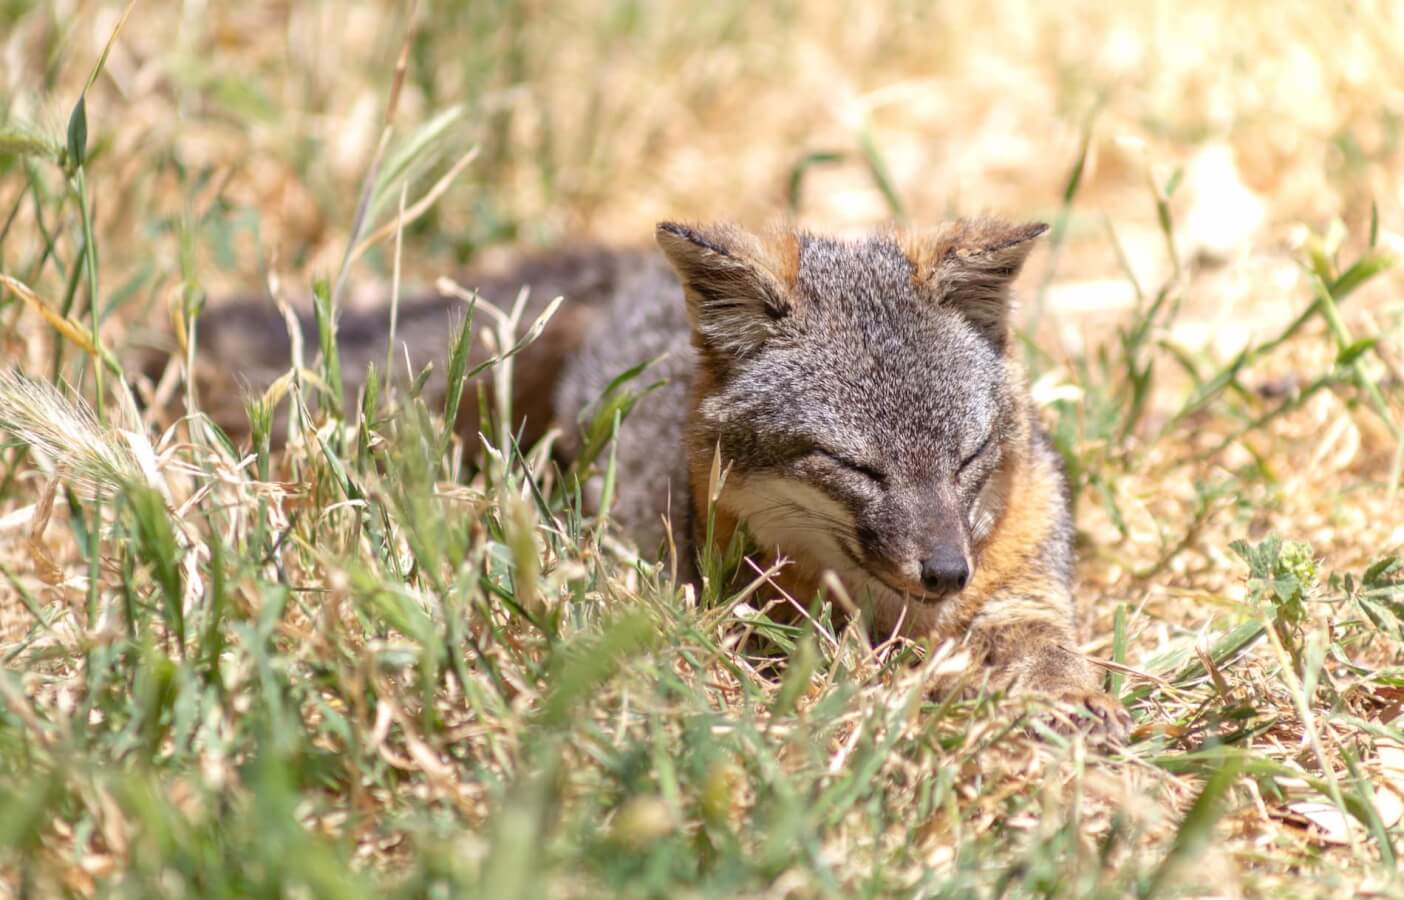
(968, 265)
(737, 286)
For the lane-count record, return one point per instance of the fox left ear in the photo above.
(738, 285)
(969, 265)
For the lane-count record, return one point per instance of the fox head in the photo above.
(860, 392)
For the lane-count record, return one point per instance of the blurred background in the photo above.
(239, 134)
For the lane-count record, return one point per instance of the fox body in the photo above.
(863, 400)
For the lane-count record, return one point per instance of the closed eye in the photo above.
(979, 451)
(851, 465)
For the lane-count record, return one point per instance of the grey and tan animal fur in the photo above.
(865, 399)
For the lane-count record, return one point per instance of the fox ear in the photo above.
(737, 286)
(969, 265)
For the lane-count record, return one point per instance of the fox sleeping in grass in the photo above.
(861, 395)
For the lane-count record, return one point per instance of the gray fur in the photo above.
(867, 372)
(862, 368)
(245, 345)
(644, 320)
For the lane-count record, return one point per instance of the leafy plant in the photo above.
(1282, 582)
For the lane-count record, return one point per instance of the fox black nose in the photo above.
(945, 570)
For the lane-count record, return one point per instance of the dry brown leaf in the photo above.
(1389, 785)
(1330, 823)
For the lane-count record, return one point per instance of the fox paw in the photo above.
(1099, 716)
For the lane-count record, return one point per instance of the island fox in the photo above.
(863, 396)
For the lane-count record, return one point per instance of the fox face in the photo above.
(860, 393)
